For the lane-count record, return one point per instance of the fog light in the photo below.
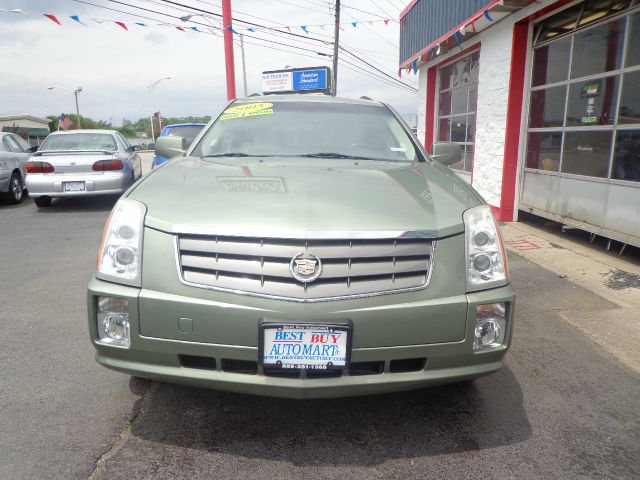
(490, 328)
(113, 321)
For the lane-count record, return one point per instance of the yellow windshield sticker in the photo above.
(248, 110)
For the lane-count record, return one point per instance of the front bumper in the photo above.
(51, 185)
(163, 359)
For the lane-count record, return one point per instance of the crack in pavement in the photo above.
(139, 386)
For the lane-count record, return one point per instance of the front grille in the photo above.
(262, 266)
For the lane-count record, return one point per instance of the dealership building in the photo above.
(543, 96)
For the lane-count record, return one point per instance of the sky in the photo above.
(115, 67)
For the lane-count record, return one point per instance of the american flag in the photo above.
(64, 122)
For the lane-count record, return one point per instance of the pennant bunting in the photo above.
(473, 27)
(52, 17)
(180, 28)
(251, 29)
(77, 19)
(304, 29)
(121, 24)
(415, 66)
(97, 20)
(141, 24)
(195, 29)
(229, 27)
(354, 24)
(457, 37)
(386, 22)
(400, 72)
(463, 30)
(486, 14)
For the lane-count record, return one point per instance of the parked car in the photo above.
(82, 163)
(189, 131)
(304, 246)
(14, 152)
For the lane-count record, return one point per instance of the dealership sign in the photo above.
(315, 79)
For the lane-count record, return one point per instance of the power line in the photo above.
(377, 69)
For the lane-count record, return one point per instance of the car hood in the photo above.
(297, 198)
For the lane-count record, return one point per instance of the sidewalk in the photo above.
(615, 278)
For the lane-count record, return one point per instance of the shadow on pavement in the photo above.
(369, 430)
(102, 203)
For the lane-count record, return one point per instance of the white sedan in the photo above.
(82, 163)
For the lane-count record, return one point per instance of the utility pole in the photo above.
(336, 46)
(75, 92)
(228, 49)
(244, 66)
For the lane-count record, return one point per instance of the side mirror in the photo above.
(446, 153)
(33, 149)
(169, 147)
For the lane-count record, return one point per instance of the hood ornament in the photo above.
(305, 267)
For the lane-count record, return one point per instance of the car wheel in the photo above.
(43, 202)
(15, 193)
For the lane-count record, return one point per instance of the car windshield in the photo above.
(307, 129)
(189, 132)
(80, 141)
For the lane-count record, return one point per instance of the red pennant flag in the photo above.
(447, 43)
(473, 27)
(386, 22)
(289, 29)
(122, 25)
(53, 18)
(180, 28)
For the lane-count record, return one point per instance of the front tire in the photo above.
(43, 202)
(16, 192)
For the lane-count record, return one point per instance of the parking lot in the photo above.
(560, 408)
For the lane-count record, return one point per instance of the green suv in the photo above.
(303, 246)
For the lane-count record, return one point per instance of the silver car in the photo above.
(14, 152)
(82, 163)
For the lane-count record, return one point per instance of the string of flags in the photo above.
(443, 47)
(307, 28)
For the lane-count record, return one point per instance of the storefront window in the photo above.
(629, 111)
(633, 54)
(598, 49)
(592, 102)
(551, 62)
(626, 157)
(587, 153)
(547, 107)
(457, 100)
(577, 126)
(543, 151)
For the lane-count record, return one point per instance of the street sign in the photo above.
(303, 80)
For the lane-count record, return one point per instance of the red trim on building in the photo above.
(407, 8)
(514, 116)
(430, 112)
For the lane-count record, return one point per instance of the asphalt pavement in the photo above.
(562, 407)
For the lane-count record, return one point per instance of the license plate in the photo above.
(310, 346)
(73, 186)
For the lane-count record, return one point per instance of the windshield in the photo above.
(80, 141)
(188, 132)
(308, 129)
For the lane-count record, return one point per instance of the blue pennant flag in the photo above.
(251, 29)
(77, 19)
(231, 28)
(415, 66)
(354, 24)
(195, 29)
(457, 37)
(141, 24)
(486, 14)
(304, 29)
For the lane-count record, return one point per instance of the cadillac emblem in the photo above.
(305, 267)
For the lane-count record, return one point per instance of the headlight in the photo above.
(119, 258)
(486, 260)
